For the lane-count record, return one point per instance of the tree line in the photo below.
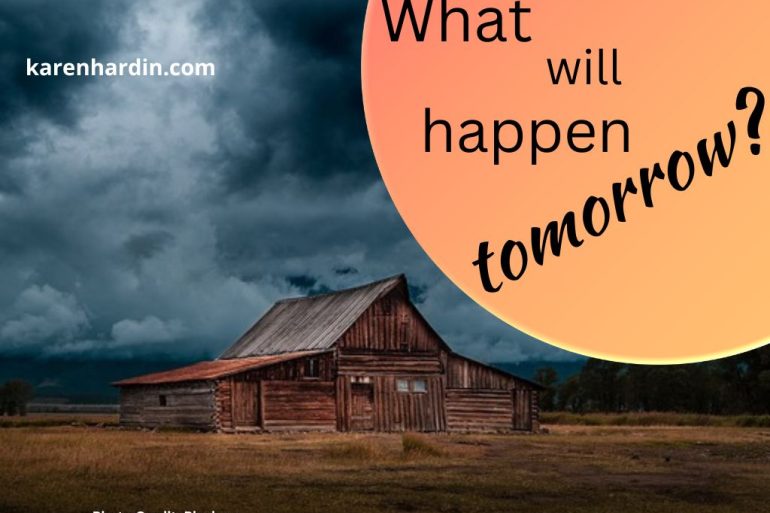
(734, 385)
(14, 396)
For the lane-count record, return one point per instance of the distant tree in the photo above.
(672, 388)
(734, 385)
(603, 385)
(737, 375)
(569, 396)
(15, 395)
(639, 388)
(763, 391)
(548, 378)
(699, 390)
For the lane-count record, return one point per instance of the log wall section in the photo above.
(299, 406)
(291, 371)
(479, 410)
(475, 397)
(189, 405)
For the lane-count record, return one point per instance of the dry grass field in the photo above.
(92, 466)
(655, 419)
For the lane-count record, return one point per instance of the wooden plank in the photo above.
(299, 404)
(188, 404)
(479, 410)
(362, 408)
(376, 364)
(391, 324)
(261, 404)
(244, 401)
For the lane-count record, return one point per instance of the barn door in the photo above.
(362, 407)
(522, 410)
(245, 403)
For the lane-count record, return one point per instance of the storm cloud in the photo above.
(143, 216)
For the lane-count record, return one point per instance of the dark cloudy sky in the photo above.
(141, 216)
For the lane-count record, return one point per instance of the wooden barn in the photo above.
(362, 359)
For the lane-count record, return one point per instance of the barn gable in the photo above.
(392, 324)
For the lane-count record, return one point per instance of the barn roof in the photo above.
(204, 371)
(309, 323)
(293, 328)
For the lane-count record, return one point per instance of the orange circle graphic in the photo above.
(592, 172)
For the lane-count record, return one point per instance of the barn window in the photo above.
(312, 369)
(419, 386)
(162, 400)
(402, 385)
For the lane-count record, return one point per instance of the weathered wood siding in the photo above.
(186, 405)
(223, 399)
(479, 410)
(362, 407)
(299, 406)
(228, 391)
(390, 324)
(524, 406)
(393, 410)
(293, 370)
(390, 341)
(471, 387)
(464, 373)
(279, 405)
(526, 410)
(374, 364)
(246, 404)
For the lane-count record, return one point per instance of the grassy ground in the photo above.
(655, 419)
(59, 419)
(573, 469)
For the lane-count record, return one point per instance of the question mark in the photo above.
(756, 114)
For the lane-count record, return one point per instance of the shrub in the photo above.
(14, 396)
(414, 445)
(358, 450)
